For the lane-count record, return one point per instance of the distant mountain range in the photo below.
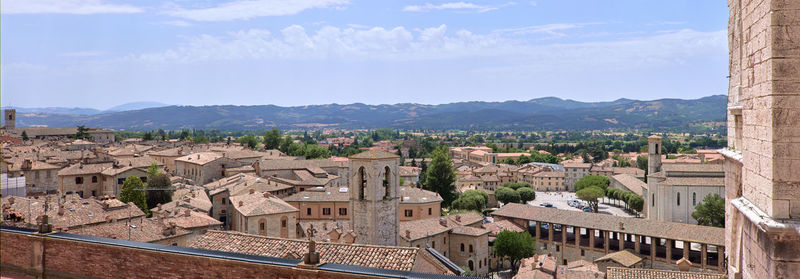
(540, 113)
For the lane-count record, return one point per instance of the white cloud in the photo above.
(458, 6)
(503, 49)
(247, 9)
(552, 29)
(82, 7)
(179, 23)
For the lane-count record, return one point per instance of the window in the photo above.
(433, 244)
(386, 179)
(430, 211)
(223, 200)
(462, 247)
(79, 180)
(342, 211)
(583, 252)
(409, 213)
(144, 179)
(558, 248)
(326, 211)
(94, 179)
(283, 223)
(363, 186)
(94, 193)
(653, 200)
(36, 174)
(470, 248)
(678, 199)
(471, 265)
(120, 181)
(261, 226)
(48, 174)
(694, 199)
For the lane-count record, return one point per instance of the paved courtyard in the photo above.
(559, 200)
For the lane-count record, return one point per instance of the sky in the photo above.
(102, 53)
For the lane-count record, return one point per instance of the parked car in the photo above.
(587, 209)
(546, 204)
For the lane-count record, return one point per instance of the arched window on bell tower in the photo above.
(362, 183)
(387, 178)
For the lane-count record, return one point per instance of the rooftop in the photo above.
(638, 273)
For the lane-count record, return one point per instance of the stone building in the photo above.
(574, 172)
(674, 190)
(762, 161)
(203, 167)
(374, 197)
(263, 214)
(40, 177)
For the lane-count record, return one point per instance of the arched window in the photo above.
(387, 177)
(462, 247)
(262, 226)
(471, 266)
(678, 199)
(694, 199)
(362, 178)
(470, 248)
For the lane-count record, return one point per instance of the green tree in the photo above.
(710, 212)
(83, 132)
(285, 144)
(147, 136)
(599, 181)
(506, 195)
(471, 200)
(272, 139)
(423, 174)
(590, 195)
(200, 139)
(249, 141)
(133, 191)
(524, 160)
(441, 177)
(526, 194)
(313, 151)
(636, 203)
(159, 190)
(25, 135)
(514, 246)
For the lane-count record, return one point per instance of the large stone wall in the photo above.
(62, 258)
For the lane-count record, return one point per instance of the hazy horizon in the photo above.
(102, 53)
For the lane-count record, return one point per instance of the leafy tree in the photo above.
(228, 141)
(517, 185)
(423, 174)
(200, 139)
(440, 176)
(413, 162)
(599, 181)
(272, 139)
(248, 140)
(25, 135)
(313, 151)
(162, 134)
(710, 212)
(159, 190)
(153, 170)
(285, 144)
(514, 246)
(510, 161)
(83, 132)
(636, 203)
(475, 200)
(506, 195)
(133, 191)
(523, 160)
(526, 194)
(590, 195)
(147, 136)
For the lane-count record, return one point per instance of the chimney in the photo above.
(60, 210)
(188, 213)
(241, 203)
(458, 218)
(408, 234)
(198, 156)
(324, 225)
(252, 191)
(159, 207)
(11, 200)
(443, 221)
(27, 164)
(105, 204)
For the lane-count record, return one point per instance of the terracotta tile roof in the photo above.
(374, 154)
(75, 211)
(490, 178)
(81, 168)
(632, 171)
(320, 194)
(241, 183)
(464, 219)
(141, 230)
(577, 165)
(192, 220)
(259, 203)
(413, 195)
(631, 183)
(200, 158)
(471, 231)
(16, 165)
(624, 258)
(555, 174)
(637, 273)
(408, 171)
(300, 164)
(324, 228)
(502, 225)
(653, 228)
(387, 257)
(421, 228)
(691, 168)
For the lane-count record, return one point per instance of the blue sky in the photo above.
(101, 53)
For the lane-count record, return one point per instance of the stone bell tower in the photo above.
(653, 154)
(10, 119)
(374, 197)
